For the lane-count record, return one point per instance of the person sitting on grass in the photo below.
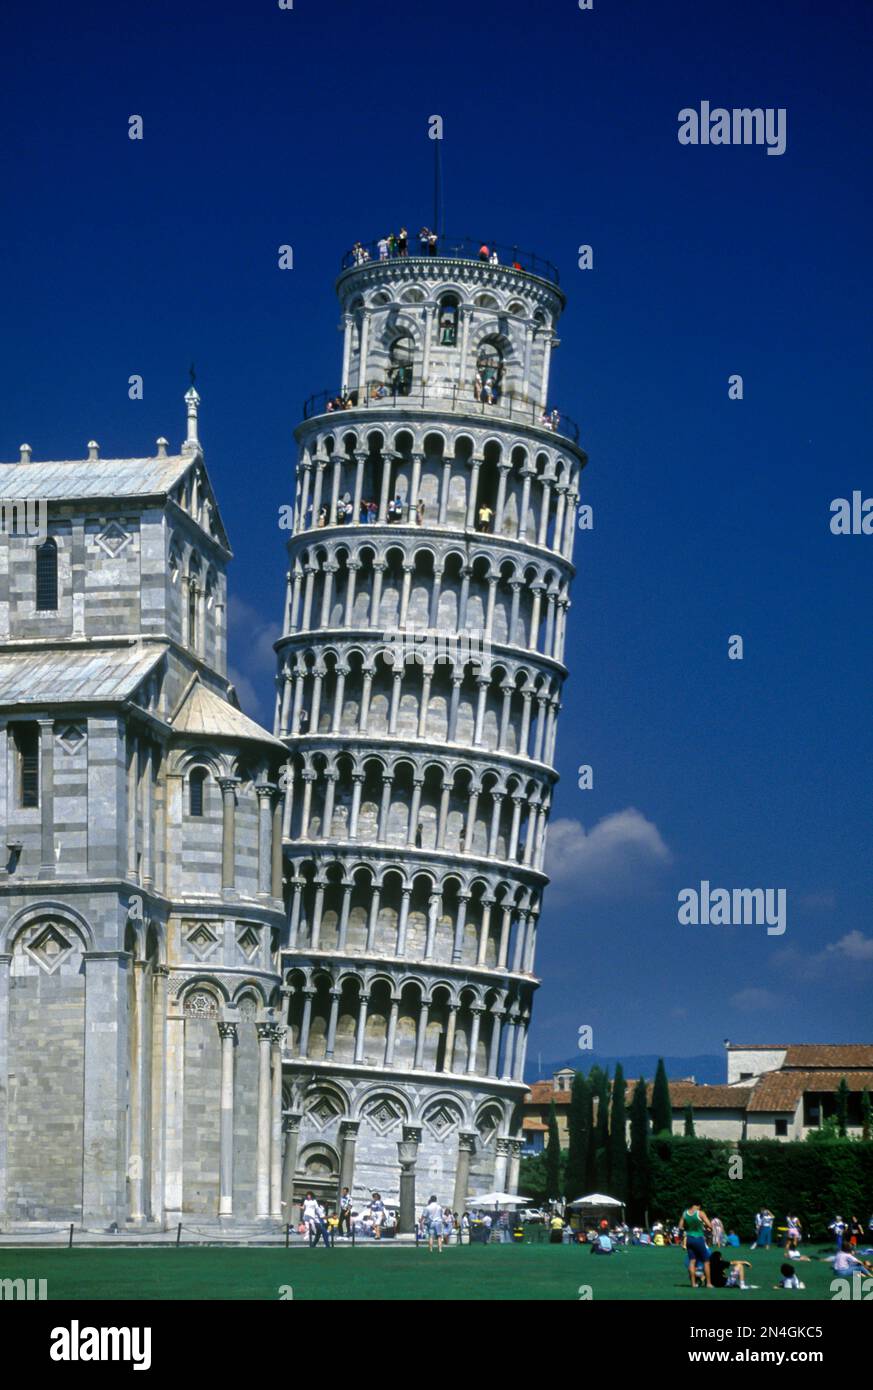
(788, 1278)
(603, 1245)
(736, 1278)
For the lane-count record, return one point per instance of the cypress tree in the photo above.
(842, 1107)
(662, 1110)
(640, 1173)
(689, 1121)
(601, 1134)
(866, 1115)
(587, 1107)
(618, 1166)
(553, 1156)
(579, 1135)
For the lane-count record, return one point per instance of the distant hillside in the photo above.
(707, 1069)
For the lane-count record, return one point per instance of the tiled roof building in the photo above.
(772, 1092)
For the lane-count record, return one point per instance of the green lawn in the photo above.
(394, 1272)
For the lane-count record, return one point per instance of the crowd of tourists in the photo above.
(704, 1236)
(396, 511)
(396, 244)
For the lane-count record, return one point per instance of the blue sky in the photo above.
(309, 127)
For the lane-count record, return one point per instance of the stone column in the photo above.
(407, 1153)
(348, 1139)
(343, 933)
(477, 1012)
(421, 1034)
(277, 1033)
(460, 924)
(503, 470)
(306, 1022)
(414, 808)
(433, 907)
(352, 567)
(496, 1028)
(136, 1152)
(296, 899)
(360, 1030)
(5, 969)
(47, 798)
(157, 1110)
(476, 462)
(451, 1027)
(264, 793)
(291, 1126)
(227, 1033)
(276, 846)
(347, 347)
(515, 1147)
(392, 1032)
(361, 457)
(466, 1149)
(332, 1020)
(262, 1200)
(228, 833)
(362, 359)
(500, 1164)
(487, 904)
(105, 1092)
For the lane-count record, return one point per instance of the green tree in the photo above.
(553, 1156)
(866, 1115)
(662, 1109)
(827, 1132)
(579, 1135)
(601, 1133)
(618, 1165)
(842, 1107)
(640, 1178)
(689, 1121)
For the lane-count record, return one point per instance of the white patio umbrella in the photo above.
(498, 1199)
(596, 1199)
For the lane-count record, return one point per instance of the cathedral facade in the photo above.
(235, 964)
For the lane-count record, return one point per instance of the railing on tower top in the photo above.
(461, 248)
(442, 397)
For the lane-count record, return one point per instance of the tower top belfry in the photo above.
(447, 327)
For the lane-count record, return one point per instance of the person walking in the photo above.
(313, 1217)
(695, 1223)
(377, 1212)
(432, 1222)
(793, 1236)
(838, 1226)
(345, 1212)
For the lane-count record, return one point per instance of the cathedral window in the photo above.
(196, 782)
(47, 576)
(26, 740)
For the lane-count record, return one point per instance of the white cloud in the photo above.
(855, 945)
(615, 858)
(754, 1000)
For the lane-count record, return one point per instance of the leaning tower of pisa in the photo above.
(420, 671)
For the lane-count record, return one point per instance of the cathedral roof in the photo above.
(110, 478)
(202, 713)
(70, 675)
